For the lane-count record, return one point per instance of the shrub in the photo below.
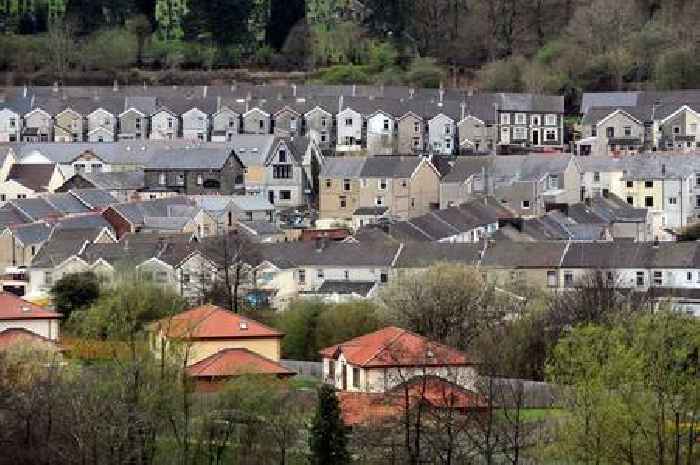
(425, 72)
(345, 74)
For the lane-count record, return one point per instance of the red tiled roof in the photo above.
(232, 362)
(365, 408)
(14, 308)
(392, 346)
(212, 322)
(13, 336)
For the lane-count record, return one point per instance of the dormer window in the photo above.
(381, 184)
(243, 325)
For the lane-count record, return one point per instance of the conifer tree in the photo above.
(328, 440)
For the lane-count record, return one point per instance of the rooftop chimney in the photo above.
(463, 107)
(411, 92)
(354, 89)
(55, 87)
(24, 91)
(340, 104)
(115, 86)
(294, 90)
(204, 91)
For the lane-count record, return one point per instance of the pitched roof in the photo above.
(35, 208)
(390, 167)
(212, 322)
(192, 158)
(11, 337)
(624, 254)
(392, 346)
(233, 362)
(364, 408)
(360, 254)
(33, 176)
(342, 167)
(94, 198)
(66, 203)
(422, 255)
(344, 287)
(119, 180)
(543, 254)
(14, 308)
(33, 233)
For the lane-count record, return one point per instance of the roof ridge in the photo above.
(391, 341)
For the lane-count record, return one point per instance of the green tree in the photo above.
(224, 22)
(140, 27)
(74, 292)
(328, 441)
(110, 50)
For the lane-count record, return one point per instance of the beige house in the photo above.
(68, 126)
(207, 330)
(18, 313)
(679, 130)
(27, 181)
(339, 186)
(411, 134)
(19, 244)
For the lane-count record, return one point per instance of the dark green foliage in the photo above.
(284, 14)
(309, 326)
(328, 441)
(74, 292)
(222, 21)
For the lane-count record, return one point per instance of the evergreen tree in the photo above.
(328, 441)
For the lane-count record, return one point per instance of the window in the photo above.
(13, 123)
(520, 118)
(200, 179)
(331, 369)
(630, 200)
(261, 124)
(672, 201)
(293, 123)
(693, 129)
(568, 279)
(594, 131)
(534, 120)
(697, 201)
(231, 123)
(162, 276)
(697, 179)
(658, 278)
(520, 133)
(552, 279)
(319, 274)
(282, 171)
(79, 167)
(448, 129)
(676, 129)
(282, 156)
(324, 136)
(525, 204)
(138, 124)
(505, 118)
(96, 168)
(33, 250)
(185, 278)
(416, 127)
(3, 197)
(329, 183)
(346, 184)
(301, 276)
(285, 195)
(343, 201)
(170, 123)
(640, 278)
(610, 132)
(413, 202)
(648, 184)
(21, 196)
(379, 201)
(629, 184)
(628, 130)
(161, 179)
(381, 184)
(648, 201)
(550, 135)
(689, 276)
(180, 179)
(324, 121)
(48, 278)
(553, 182)
(348, 121)
(248, 216)
(355, 377)
(550, 120)
(383, 277)
(386, 125)
(346, 275)
(596, 176)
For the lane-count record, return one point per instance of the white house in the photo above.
(381, 134)
(10, 125)
(165, 125)
(195, 125)
(441, 134)
(379, 361)
(101, 126)
(349, 125)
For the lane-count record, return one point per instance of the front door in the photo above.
(535, 137)
(271, 197)
(505, 136)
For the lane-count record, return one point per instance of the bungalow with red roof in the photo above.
(379, 361)
(382, 409)
(210, 373)
(23, 338)
(207, 330)
(18, 313)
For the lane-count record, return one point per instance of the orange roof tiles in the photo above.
(392, 346)
(232, 362)
(14, 308)
(212, 322)
(13, 336)
(362, 408)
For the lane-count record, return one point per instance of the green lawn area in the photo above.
(539, 414)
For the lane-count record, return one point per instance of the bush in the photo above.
(345, 74)
(503, 75)
(110, 50)
(424, 72)
(74, 292)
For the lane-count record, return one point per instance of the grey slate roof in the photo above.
(36, 208)
(464, 167)
(340, 254)
(66, 203)
(136, 212)
(389, 167)
(35, 176)
(342, 167)
(113, 181)
(34, 233)
(62, 244)
(626, 254)
(331, 287)
(422, 255)
(94, 198)
(87, 221)
(192, 158)
(523, 254)
(252, 149)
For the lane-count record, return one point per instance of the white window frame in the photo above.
(520, 118)
(550, 119)
(379, 201)
(505, 118)
(523, 206)
(520, 133)
(550, 131)
(384, 182)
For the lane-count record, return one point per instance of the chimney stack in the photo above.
(340, 105)
(55, 87)
(204, 91)
(463, 107)
(354, 89)
(115, 86)
(294, 90)
(24, 91)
